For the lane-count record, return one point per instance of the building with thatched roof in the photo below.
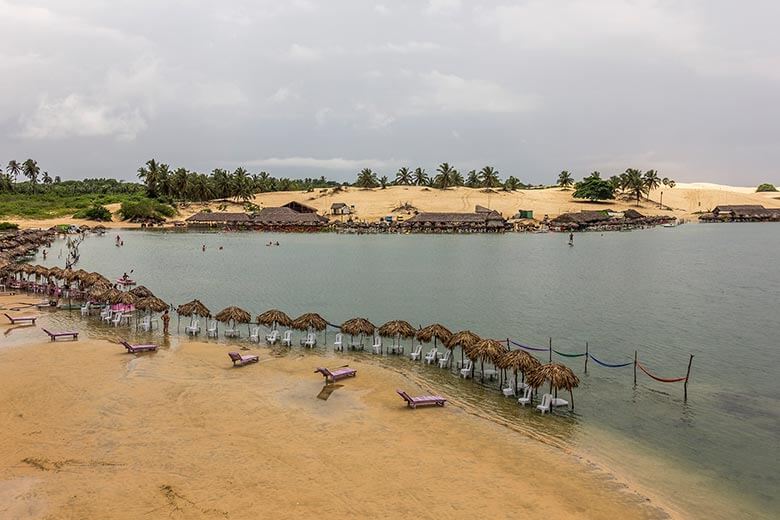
(299, 207)
(285, 219)
(741, 213)
(481, 221)
(340, 208)
(206, 218)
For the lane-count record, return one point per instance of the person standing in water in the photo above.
(166, 319)
(571, 238)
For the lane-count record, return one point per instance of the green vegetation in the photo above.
(594, 188)
(49, 205)
(8, 226)
(146, 209)
(765, 187)
(95, 212)
(565, 180)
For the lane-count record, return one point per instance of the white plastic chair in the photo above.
(211, 330)
(527, 396)
(546, 402)
(430, 357)
(445, 359)
(337, 344)
(465, 372)
(287, 338)
(85, 309)
(105, 314)
(415, 355)
(146, 323)
(377, 347)
(193, 328)
(254, 335)
(311, 340)
(117, 319)
(272, 337)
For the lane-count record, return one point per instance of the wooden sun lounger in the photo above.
(335, 375)
(423, 400)
(21, 319)
(240, 360)
(132, 349)
(74, 335)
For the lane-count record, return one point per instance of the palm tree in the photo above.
(634, 183)
(473, 179)
(180, 183)
(14, 168)
(383, 182)
(420, 177)
(404, 176)
(445, 177)
(488, 177)
(565, 180)
(457, 179)
(46, 179)
(367, 179)
(31, 170)
(651, 180)
(512, 183)
(150, 174)
(221, 183)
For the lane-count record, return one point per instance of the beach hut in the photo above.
(358, 327)
(464, 339)
(273, 318)
(310, 322)
(151, 304)
(559, 376)
(190, 309)
(397, 329)
(486, 350)
(518, 361)
(233, 315)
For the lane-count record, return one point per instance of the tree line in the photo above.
(446, 176)
(37, 182)
(632, 182)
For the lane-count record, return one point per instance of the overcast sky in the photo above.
(309, 88)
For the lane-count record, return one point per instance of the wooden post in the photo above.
(687, 375)
(550, 343)
(635, 356)
(586, 357)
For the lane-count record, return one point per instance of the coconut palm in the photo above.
(14, 168)
(488, 177)
(472, 181)
(512, 183)
(404, 176)
(633, 182)
(445, 177)
(367, 179)
(565, 180)
(651, 180)
(420, 177)
(149, 174)
(31, 170)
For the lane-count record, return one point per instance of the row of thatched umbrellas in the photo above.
(471, 345)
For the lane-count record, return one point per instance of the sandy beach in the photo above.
(685, 200)
(92, 432)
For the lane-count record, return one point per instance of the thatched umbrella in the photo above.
(193, 308)
(41, 271)
(233, 314)
(464, 339)
(519, 361)
(123, 298)
(96, 278)
(310, 322)
(274, 318)
(435, 332)
(141, 292)
(560, 376)
(151, 304)
(99, 293)
(359, 326)
(55, 272)
(486, 350)
(397, 329)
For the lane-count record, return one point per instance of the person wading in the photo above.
(166, 319)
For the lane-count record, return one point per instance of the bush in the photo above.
(146, 209)
(96, 212)
(766, 187)
(8, 226)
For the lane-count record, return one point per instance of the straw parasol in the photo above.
(124, 298)
(559, 376)
(41, 271)
(152, 304)
(359, 326)
(233, 314)
(193, 307)
(274, 318)
(96, 278)
(487, 350)
(55, 272)
(435, 332)
(396, 329)
(519, 361)
(99, 293)
(309, 321)
(464, 339)
(141, 292)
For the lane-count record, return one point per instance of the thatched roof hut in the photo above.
(358, 326)
(464, 339)
(434, 332)
(518, 361)
(309, 321)
(124, 298)
(141, 292)
(192, 308)
(273, 318)
(233, 313)
(559, 376)
(397, 328)
(151, 303)
(486, 350)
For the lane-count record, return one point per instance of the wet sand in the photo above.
(92, 432)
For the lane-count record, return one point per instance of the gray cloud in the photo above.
(313, 88)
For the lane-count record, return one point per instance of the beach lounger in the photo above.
(527, 397)
(337, 344)
(21, 319)
(423, 400)
(211, 331)
(332, 376)
(272, 337)
(431, 356)
(415, 355)
(445, 359)
(254, 335)
(287, 338)
(311, 340)
(465, 372)
(545, 406)
(55, 335)
(239, 360)
(134, 349)
(193, 328)
(377, 346)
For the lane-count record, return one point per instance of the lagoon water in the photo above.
(708, 290)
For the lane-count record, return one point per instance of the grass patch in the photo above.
(49, 205)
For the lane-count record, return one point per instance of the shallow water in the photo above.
(707, 290)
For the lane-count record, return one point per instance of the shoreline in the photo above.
(489, 467)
